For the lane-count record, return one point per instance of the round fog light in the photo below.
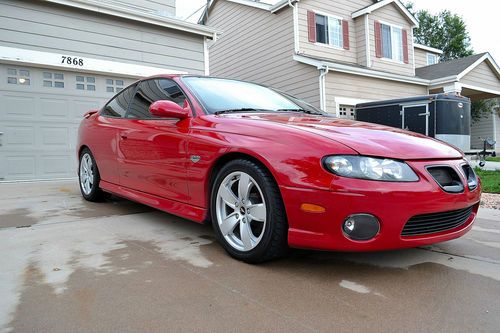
(361, 227)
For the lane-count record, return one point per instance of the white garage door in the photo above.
(40, 110)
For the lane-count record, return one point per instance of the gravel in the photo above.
(490, 200)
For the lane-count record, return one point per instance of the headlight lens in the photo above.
(365, 167)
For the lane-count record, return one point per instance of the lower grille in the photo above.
(436, 222)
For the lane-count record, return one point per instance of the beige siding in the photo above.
(343, 9)
(364, 88)
(361, 46)
(420, 58)
(483, 128)
(390, 14)
(60, 29)
(162, 7)
(258, 46)
(482, 76)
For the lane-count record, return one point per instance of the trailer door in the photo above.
(415, 118)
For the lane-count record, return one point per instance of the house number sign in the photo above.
(75, 61)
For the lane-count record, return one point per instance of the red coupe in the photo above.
(271, 171)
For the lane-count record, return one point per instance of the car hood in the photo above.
(365, 138)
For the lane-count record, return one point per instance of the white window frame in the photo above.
(436, 58)
(341, 37)
(394, 49)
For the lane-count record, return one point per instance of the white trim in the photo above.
(206, 56)
(486, 56)
(282, 4)
(347, 101)
(427, 48)
(25, 57)
(443, 80)
(322, 87)
(336, 17)
(253, 4)
(360, 71)
(427, 54)
(488, 91)
(296, 30)
(380, 4)
(102, 7)
(367, 41)
(393, 45)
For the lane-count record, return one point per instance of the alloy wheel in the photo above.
(241, 211)
(86, 173)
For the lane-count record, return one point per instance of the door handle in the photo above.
(1, 133)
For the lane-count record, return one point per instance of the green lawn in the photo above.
(490, 180)
(493, 159)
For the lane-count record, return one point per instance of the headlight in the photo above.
(365, 167)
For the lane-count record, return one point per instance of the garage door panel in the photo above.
(18, 107)
(58, 108)
(55, 137)
(81, 107)
(20, 167)
(18, 137)
(55, 166)
(40, 121)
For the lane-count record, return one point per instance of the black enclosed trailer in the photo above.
(445, 117)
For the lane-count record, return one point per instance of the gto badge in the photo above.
(195, 158)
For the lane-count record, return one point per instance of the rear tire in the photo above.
(248, 214)
(89, 178)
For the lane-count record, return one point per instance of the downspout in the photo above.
(295, 25)
(207, 44)
(322, 86)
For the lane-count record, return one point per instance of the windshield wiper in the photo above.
(242, 110)
(298, 110)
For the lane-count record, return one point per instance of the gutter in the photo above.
(322, 86)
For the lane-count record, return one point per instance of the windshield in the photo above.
(219, 95)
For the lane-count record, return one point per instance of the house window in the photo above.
(53, 80)
(392, 42)
(114, 85)
(18, 76)
(85, 83)
(432, 59)
(329, 30)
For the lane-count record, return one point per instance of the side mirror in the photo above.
(168, 109)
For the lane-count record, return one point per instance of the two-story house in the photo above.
(336, 54)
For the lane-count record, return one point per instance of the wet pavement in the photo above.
(69, 265)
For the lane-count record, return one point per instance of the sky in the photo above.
(481, 17)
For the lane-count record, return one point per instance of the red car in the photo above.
(271, 171)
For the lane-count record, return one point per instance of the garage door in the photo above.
(40, 113)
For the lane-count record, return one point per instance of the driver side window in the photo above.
(150, 91)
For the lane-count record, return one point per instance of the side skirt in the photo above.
(193, 213)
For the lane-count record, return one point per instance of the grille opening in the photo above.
(447, 178)
(471, 177)
(436, 222)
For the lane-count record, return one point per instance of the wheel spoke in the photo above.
(246, 237)
(257, 212)
(228, 196)
(244, 186)
(228, 224)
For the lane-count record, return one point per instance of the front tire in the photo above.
(248, 213)
(89, 178)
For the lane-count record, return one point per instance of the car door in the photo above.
(152, 153)
(103, 138)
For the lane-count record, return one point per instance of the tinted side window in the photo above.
(117, 107)
(151, 91)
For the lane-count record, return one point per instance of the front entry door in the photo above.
(152, 155)
(416, 118)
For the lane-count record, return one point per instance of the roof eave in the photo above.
(166, 22)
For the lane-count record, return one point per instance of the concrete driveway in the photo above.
(71, 266)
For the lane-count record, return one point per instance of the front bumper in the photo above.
(392, 203)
